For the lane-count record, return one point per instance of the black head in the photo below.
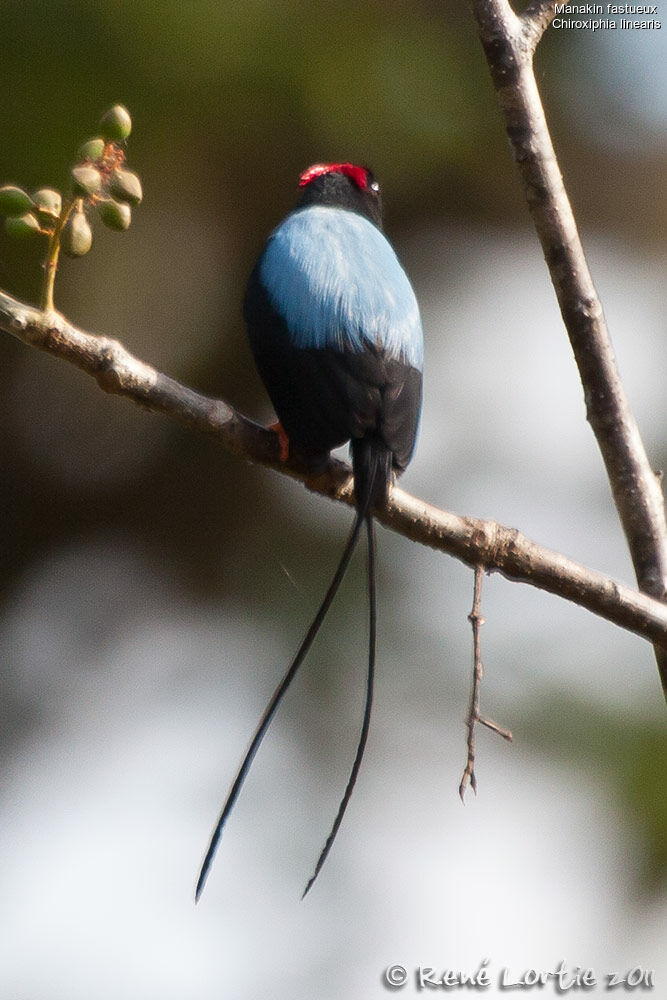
(344, 186)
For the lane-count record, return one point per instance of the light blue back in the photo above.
(336, 281)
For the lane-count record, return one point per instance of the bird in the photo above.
(336, 335)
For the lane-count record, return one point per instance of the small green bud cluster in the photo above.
(23, 212)
(99, 181)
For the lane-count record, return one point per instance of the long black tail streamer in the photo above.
(278, 694)
(370, 676)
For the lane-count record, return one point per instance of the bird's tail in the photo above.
(371, 462)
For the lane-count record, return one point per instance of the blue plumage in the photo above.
(337, 283)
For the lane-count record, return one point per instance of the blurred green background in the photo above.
(150, 581)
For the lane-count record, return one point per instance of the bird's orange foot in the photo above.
(278, 429)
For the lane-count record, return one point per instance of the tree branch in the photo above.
(476, 619)
(472, 540)
(509, 43)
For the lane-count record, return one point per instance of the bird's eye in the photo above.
(375, 186)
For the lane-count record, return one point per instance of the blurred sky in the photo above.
(153, 588)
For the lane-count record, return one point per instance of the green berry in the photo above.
(116, 124)
(22, 227)
(92, 150)
(126, 186)
(86, 181)
(48, 201)
(115, 215)
(77, 236)
(14, 200)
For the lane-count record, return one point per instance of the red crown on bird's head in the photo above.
(360, 175)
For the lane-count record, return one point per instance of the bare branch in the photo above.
(509, 42)
(476, 619)
(474, 541)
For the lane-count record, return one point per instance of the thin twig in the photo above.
(495, 728)
(472, 540)
(509, 43)
(476, 620)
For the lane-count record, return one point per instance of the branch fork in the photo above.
(509, 41)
